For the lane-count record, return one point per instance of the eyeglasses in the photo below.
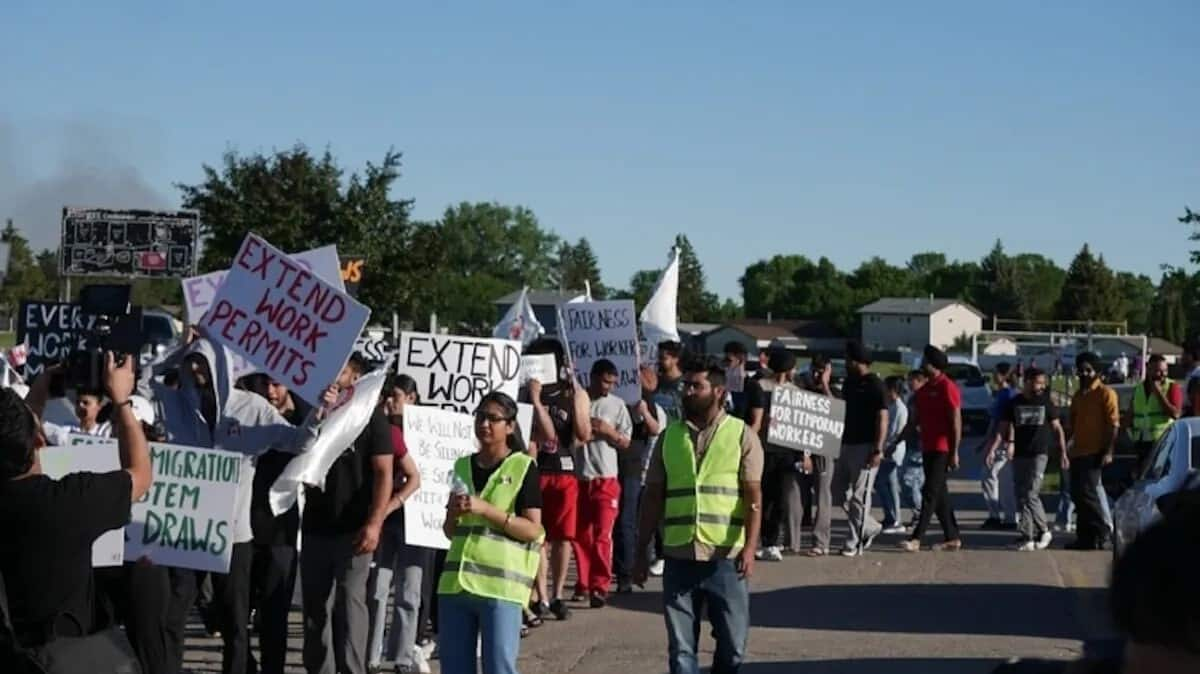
(491, 418)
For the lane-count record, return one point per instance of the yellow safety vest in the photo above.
(704, 505)
(483, 560)
(1150, 420)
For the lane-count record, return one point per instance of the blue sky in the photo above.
(872, 128)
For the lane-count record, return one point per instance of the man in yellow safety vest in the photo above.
(704, 488)
(1156, 403)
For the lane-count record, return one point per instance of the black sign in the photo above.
(806, 421)
(352, 271)
(52, 330)
(152, 244)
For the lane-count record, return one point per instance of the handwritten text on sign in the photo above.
(436, 439)
(456, 372)
(806, 421)
(52, 330)
(284, 319)
(604, 330)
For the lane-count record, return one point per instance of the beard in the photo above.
(698, 405)
(1087, 380)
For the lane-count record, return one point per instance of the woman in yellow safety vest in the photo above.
(494, 523)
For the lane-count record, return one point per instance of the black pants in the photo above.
(777, 470)
(1091, 529)
(274, 579)
(935, 497)
(231, 593)
(184, 588)
(138, 596)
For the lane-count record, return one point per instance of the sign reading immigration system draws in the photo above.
(806, 421)
(287, 321)
(604, 330)
(454, 372)
(435, 438)
(151, 244)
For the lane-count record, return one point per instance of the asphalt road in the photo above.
(892, 612)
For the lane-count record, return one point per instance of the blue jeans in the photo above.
(690, 589)
(1066, 507)
(625, 536)
(912, 480)
(887, 482)
(464, 617)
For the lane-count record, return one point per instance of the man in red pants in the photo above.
(600, 485)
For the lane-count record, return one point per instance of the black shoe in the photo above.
(597, 601)
(538, 608)
(559, 609)
(624, 587)
(992, 524)
(1079, 544)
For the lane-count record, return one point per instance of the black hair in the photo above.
(781, 361)
(735, 348)
(548, 346)
(857, 353)
(359, 363)
(171, 378)
(671, 348)
(509, 409)
(1034, 373)
(1192, 348)
(895, 384)
(402, 382)
(604, 367)
(89, 391)
(1156, 359)
(1087, 358)
(18, 430)
(1003, 369)
(714, 374)
(819, 361)
(917, 374)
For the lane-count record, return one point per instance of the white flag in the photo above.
(520, 323)
(659, 319)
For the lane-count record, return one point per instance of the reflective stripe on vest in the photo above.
(483, 560)
(704, 505)
(1150, 420)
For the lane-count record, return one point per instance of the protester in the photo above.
(342, 526)
(764, 364)
(1191, 365)
(779, 475)
(1156, 403)
(887, 481)
(1032, 419)
(399, 567)
(649, 420)
(1095, 420)
(747, 404)
(493, 521)
(670, 379)
(997, 476)
(561, 422)
(704, 485)
(816, 478)
(939, 416)
(88, 405)
(912, 472)
(599, 486)
(50, 525)
(863, 441)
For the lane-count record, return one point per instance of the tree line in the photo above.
(457, 265)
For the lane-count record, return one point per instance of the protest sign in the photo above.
(540, 368)
(525, 423)
(58, 462)
(608, 330)
(52, 330)
(455, 373)
(284, 319)
(436, 439)
(130, 243)
(806, 421)
(341, 427)
(351, 272)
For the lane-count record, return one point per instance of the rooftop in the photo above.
(540, 298)
(919, 306)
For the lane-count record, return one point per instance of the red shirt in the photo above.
(399, 449)
(935, 402)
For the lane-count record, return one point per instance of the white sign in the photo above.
(58, 462)
(287, 321)
(604, 330)
(344, 423)
(540, 368)
(455, 373)
(435, 439)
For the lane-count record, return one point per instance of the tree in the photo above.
(1192, 218)
(695, 303)
(1169, 314)
(822, 292)
(1137, 297)
(767, 286)
(997, 290)
(641, 286)
(24, 279)
(875, 278)
(1038, 282)
(923, 266)
(578, 268)
(956, 280)
(1090, 291)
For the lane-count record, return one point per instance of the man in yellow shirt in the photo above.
(1095, 420)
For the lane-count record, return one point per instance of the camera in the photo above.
(116, 327)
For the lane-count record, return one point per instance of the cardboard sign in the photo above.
(52, 330)
(455, 373)
(539, 368)
(284, 319)
(150, 244)
(58, 462)
(604, 330)
(436, 439)
(806, 421)
(351, 272)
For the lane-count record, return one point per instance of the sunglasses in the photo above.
(491, 418)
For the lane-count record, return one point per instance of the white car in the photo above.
(1174, 465)
(976, 395)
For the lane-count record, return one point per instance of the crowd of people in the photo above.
(684, 484)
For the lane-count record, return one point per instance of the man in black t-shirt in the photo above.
(748, 401)
(342, 524)
(863, 440)
(1033, 418)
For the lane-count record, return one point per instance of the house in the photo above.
(908, 324)
(544, 303)
(1109, 348)
(805, 336)
(692, 335)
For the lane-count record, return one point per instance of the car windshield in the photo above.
(1159, 464)
(157, 329)
(966, 373)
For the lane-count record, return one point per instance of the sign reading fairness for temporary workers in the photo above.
(806, 421)
(454, 372)
(604, 330)
(435, 439)
(284, 319)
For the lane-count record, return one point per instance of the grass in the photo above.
(886, 370)
(7, 339)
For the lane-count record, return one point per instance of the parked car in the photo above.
(161, 331)
(976, 395)
(1173, 466)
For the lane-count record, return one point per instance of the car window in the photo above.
(1196, 453)
(157, 329)
(1159, 464)
(969, 375)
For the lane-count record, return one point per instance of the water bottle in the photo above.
(457, 486)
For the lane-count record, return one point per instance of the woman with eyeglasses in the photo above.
(494, 523)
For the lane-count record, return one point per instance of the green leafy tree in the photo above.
(578, 267)
(875, 278)
(695, 302)
(1137, 298)
(997, 288)
(641, 286)
(767, 286)
(1192, 218)
(1169, 315)
(24, 279)
(1038, 282)
(1090, 291)
(956, 280)
(923, 266)
(821, 291)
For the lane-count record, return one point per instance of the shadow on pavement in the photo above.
(876, 665)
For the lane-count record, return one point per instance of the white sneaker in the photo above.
(656, 569)
(773, 554)
(419, 662)
(1026, 546)
(850, 552)
(760, 554)
(896, 529)
(1044, 541)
